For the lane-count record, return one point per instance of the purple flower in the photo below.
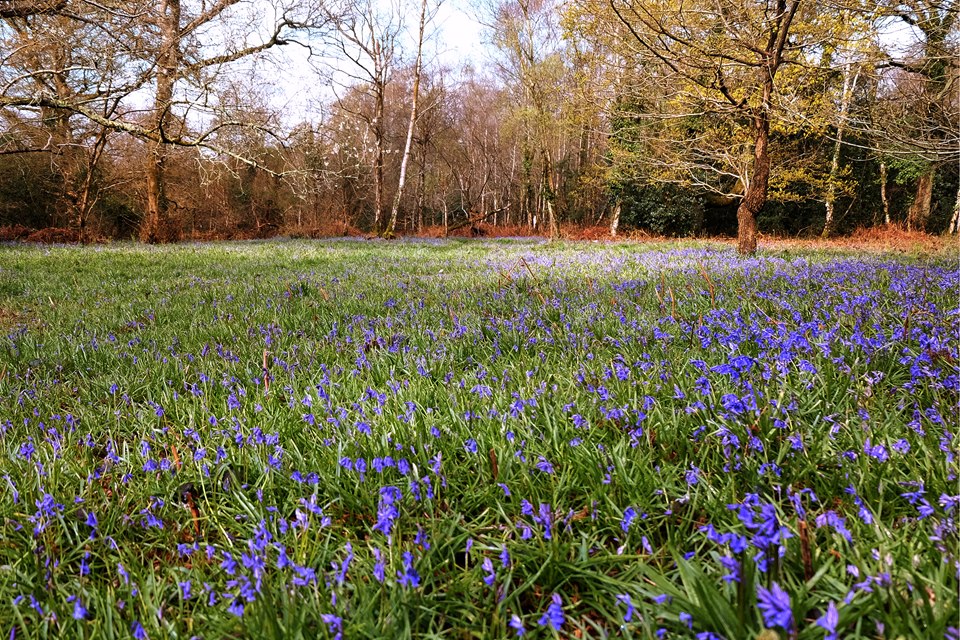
(334, 624)
(408, 577)
(829, 620)
(470, 445)
(27, 449)
(774, 605)
(544, 465)
(387, 511)
(79, 612)
(378, 567)
(491, 574)
(625, 599)
(138, 631)
(553, 616)
(517, 625)
(628, 517)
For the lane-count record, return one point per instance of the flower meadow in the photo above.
(356, 439)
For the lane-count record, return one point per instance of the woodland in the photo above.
(159, 120)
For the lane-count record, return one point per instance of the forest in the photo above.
(166, 120)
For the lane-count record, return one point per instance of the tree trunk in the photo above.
(616, 220)
(549, 194)
(883, 193)
(421, 185)
(849, 84)
(154, 227)
(955, 218)
(919, 212)
(755, 195)
(391, 225)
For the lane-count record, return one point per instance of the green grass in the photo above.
(585, 380)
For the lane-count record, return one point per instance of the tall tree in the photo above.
(363, 37)
(927, 103)
(714, 69)
(426, 14)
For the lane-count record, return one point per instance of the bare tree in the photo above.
(425, 16)
(364, 35)
(174, 50)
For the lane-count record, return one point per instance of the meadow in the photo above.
(454, 439)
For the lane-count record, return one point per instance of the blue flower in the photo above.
(774, 605)
(378, 566)
(553, 616)
(334, 624)
(138, 631)
(625, 599)
(517, 625)
(828, 621)
(79, 611)
(544, 465)
(491, 574)
(408, 577)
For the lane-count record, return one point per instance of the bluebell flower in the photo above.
(139, 633)
(625, 599)
(517, 625)
(828, 621)
(334, 624)
(774, 605)
(491, 575)
(553, 616)
(408, 577)
(79, 611)
(544, 465)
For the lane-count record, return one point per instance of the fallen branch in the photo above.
(476, 219)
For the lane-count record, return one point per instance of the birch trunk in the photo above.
(849, 84)
(616, 221)
(883, 193)
(955, 219)
(391, 225)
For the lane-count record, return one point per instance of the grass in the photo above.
(463, 439)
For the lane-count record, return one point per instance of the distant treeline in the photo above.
(154, 119)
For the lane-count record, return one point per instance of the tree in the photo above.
(425, 16)
(56, 59)
(187, 53)
(174, 50)
(924, 101)
(364, 35)
(714, 69)
(526, 33)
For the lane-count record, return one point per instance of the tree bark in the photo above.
(919, 212)
(849, 84)
(154, 227)
(955, 218)
(616, 220)
(379, 141)
(755, 195)
(883, 193)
